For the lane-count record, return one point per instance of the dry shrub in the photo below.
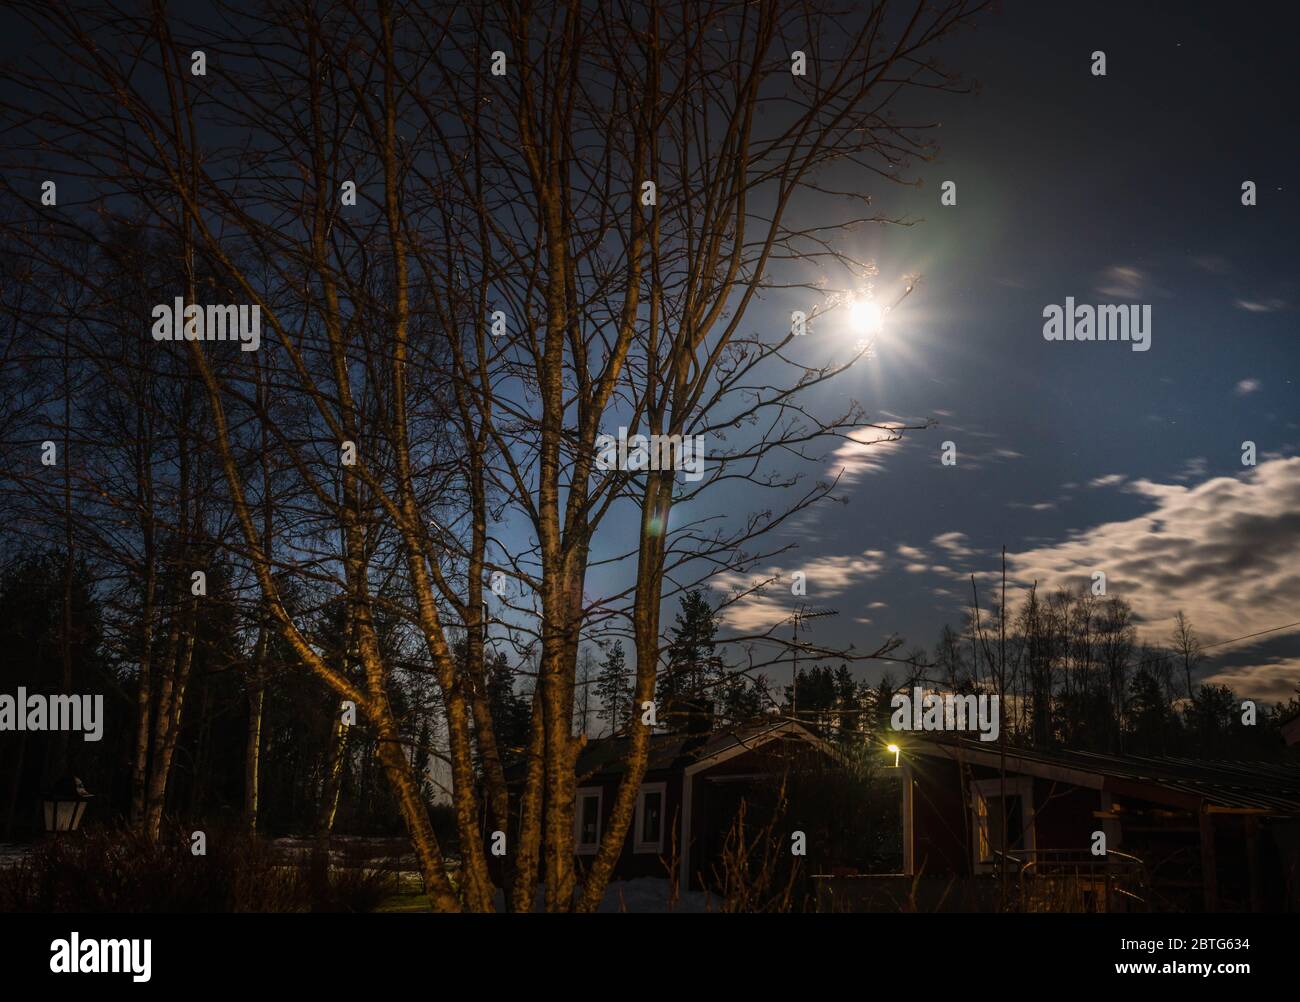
(759, 873)
(116, 870)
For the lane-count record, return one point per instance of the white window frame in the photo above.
(984, 790)
(583, 793)
(638, 846)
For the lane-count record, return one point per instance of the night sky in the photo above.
(1075, 456)
(1080, 456)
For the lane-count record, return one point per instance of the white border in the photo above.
(1022, 787)
(650, 847)
(588, 791)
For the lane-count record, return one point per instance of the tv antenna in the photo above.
(799, 618)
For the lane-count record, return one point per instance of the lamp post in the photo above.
(64, 804)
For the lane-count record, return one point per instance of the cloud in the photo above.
(1267, 306)
(1271, 680)
(1109, 480)
(1121, 282)
(865, 451)
(1247, 386)
(1194, 469)
(971, 459)
(954, 543)
(758, 607)
(1225, 551)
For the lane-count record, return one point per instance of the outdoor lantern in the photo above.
(64, 804)
(895, 749)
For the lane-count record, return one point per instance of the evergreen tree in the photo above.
(692, 664)
(614, 688)
(739, 700)
(1149, 715)
(511, 711)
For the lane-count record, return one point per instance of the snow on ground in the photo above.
(649, 894)
(643, 894)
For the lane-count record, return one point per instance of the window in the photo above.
(649, 830)
(586, 819)
(991, 809)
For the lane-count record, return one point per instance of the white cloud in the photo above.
(1270, 680)
(954, 543)
(1194, 469)
(1121, 282)
(1254, 306)
(759, 607)
(1109, 480)
(1247, 386)
(864, 452)
(1225, 551)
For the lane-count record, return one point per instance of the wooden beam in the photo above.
(1259, 812)
(1252, 861)
(1209, 863)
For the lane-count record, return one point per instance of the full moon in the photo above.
(865, 316)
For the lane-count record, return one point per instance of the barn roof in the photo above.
(674, 752)
(1259, 786)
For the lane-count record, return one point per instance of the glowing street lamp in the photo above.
(895, 749)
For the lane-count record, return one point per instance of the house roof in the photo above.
(1263, 787)
(672, 752)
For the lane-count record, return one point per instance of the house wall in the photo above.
(940, 820)
(1063, 816)
(715, 790)
(943, 831)
(630, 863)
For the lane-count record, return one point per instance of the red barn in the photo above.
(1178, 834)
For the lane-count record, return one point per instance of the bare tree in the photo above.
(465, 277)
(1187, 648)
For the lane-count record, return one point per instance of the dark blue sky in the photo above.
(1119, 189)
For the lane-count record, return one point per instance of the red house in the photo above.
(1084, 831)
(688, 797)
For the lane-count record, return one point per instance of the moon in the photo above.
(865, 316)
